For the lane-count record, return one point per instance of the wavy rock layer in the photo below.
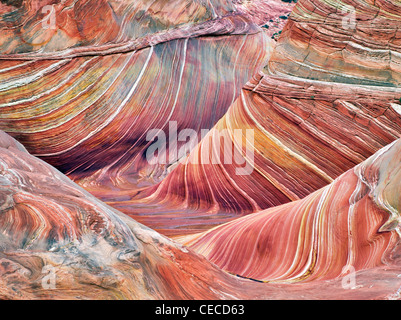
(85, 107)
(49, 27)
(48, 223)
(352, 223)
(342, 41)
(305, 135)
(310, 126)
(96, 252)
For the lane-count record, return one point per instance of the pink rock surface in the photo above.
(85, 99)
(325, 102)
(352, 223)
(82, 94)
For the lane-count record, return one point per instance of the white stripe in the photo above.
(315, 233)
(16, 66)
(282, 146)
(117, 111)
(33, 98)
(32, 78)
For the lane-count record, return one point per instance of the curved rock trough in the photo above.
(182, 149)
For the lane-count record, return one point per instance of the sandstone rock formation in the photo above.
(326, 101)
(50, 224)
(295, 185)
(81, 93)
(353, 222)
